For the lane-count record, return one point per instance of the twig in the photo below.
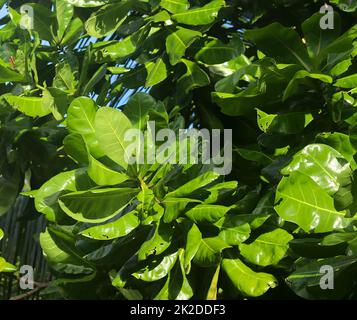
(39, 287)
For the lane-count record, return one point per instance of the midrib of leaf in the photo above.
(311, 205)
(200, 10)
(293, 52)
(117, 137)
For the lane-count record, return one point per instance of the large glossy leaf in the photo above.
(300, 200)
(348, 82)
(159, 240)
(193, 242)
(46, 199)
(76, 148)
(245, 280)
(317, 38)
(193, 185)
(177, 286)
(216, 52)
(175, 6)
(233, 229)
(194, 77)
(268, 249)
(80, 119)
(64, 14)
(156, 72)
(110, 128)
(207, 213)
(280, 43)
(178, 41)
(209, 252)
(31, 106)
(157, 269)
(96, 205)
(6, 74)
(107, 19)
(306, 279)
(60, 251)
(200, 16)
(137, 109)
(109, 51)
(302, 77)
(115, 229)
(323, 164)
(174, 207)
(102, 175)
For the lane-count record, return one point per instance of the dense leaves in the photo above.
(90, 71)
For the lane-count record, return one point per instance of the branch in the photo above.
(39, 287)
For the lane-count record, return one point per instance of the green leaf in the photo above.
(281, 43)
(111, 126)
(156, 72)
(210, 251)
(175, 6)
(137, 109)
(107, 19)
(8, 75)
(316, 211)
(87, 3)
(157, 269)
(76, 148)
(31, 106)
(6, 266)
(268, 249)
(305, 281)
(318, 39)
(341, 143)
(59, 249)
(115, 229)
(348, 82)
(178, 41)
(43, 20)
(233, 229)
(174, 207)
(300, 77)
(245, 280)
(322, 164)
(194, 77)
(193, 242)
(284, 123)
(96, 205)
(193, 185)
(207, 213)
(109, 51)
(46, 199)
(216, 52)
(103, 175)
(345, 5)
(80, 119)
(64, 14)
(200, 16)
(1, 234)
(177, 286)
(158, 241)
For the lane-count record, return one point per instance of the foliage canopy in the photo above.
(90, 70)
